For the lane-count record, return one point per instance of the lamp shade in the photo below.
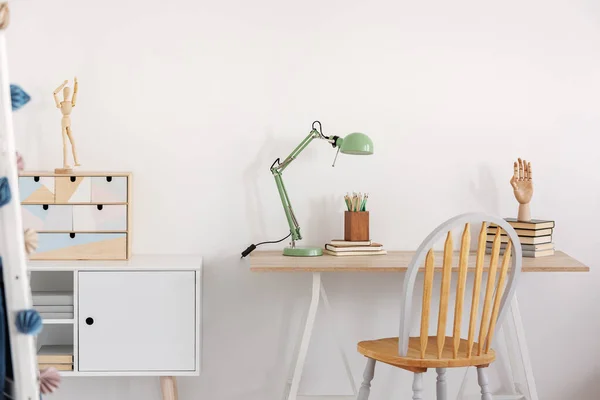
(356, 143)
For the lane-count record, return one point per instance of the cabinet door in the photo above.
(137, 320)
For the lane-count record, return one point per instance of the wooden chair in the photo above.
(417, 354)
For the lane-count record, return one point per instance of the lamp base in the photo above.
(303, 251)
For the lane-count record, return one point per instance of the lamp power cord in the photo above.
(253, 247)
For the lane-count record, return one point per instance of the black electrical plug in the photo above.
(248, 250)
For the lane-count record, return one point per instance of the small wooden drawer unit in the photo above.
(81, 216)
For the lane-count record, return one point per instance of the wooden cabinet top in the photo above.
(135, 262)
(74, 173)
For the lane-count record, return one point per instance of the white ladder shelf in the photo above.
(17, 292)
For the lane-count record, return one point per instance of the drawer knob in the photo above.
(72, 235)
(100, 206)
(89, 321)
(109, 179)
(36, 178)
(73, 179)
(45, 206)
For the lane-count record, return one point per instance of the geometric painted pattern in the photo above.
(78, 217)
(84, 246)
(36, 189)
(47, 217)
(76, 190)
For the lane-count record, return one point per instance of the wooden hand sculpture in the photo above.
(522, 184)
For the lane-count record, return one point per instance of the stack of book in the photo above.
(59, 357)
(353, 248)
(54, 305)
(535, 237)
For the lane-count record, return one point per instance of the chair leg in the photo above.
(365, 387)
(441, 389)
(418, 386)
(483, 383)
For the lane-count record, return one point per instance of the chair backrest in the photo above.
(498, 290)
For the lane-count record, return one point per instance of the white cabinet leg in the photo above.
(168, 386)
(483, 383)
(441, 388)
(365, 387)
(304, 343)
(417, 386)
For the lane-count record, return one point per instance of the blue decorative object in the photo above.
(5, 356)
(5, 194)
(18, 97)
(29, 322)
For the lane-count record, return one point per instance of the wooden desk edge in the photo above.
(274, 261)
(400, 269)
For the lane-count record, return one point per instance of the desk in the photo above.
(398, 261)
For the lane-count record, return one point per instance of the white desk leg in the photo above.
(336, 336)
(308, 330)
(515, 315)
(514, 323)
(463, 385)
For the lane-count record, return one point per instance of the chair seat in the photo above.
(386, 351)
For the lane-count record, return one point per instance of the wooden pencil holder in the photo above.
(356, 226)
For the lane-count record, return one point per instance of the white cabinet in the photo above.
(137, 321)
(137, 317)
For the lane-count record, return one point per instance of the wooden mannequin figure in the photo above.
(66, 106)
(522, 184)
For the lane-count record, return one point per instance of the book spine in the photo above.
(528, 254)
(59, 367)
(50, 359)
(42, 309)
(52, 300)
(57, 315)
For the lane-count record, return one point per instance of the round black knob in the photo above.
(73, 179)
(72, 235)
(109, 179)
(89, 320)
(99, 206)
(45, 206)
(36, 178)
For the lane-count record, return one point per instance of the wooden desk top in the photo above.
(394, 261)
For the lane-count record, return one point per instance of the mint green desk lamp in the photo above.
(354, 143)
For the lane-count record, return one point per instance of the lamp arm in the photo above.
(311, 136)
(287, 208)
(277, 170)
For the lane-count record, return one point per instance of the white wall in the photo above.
(197, 98)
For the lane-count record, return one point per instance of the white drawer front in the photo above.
(73, 189)
(47, 217)
(100, 218)
(109, 189)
